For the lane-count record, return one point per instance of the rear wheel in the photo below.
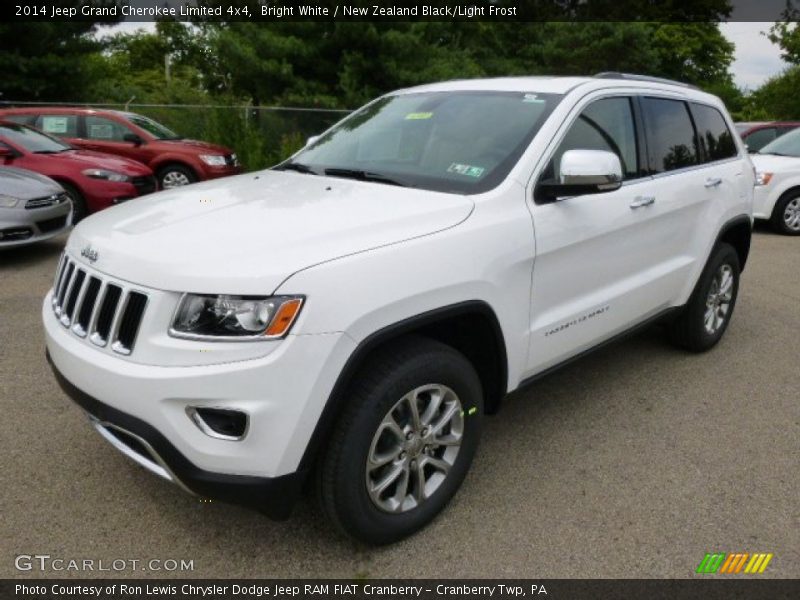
(705, 317)
(173, 176)
(404, 442)
(786, 214)
(79, 208)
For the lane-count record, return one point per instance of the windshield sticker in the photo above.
(419, 116)
(532, 98)
(467, 170)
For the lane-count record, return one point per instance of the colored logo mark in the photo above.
(734, 562)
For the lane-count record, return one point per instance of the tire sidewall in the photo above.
(369, 522)
(724, 254)
(79, 208)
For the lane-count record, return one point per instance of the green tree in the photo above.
(43, 60)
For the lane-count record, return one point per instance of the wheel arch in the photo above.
(470, 327)
(166, 161)
(737, 232)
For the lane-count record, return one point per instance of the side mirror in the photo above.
(133, 139)
(584, 172)
(311, 140)
(6, 153)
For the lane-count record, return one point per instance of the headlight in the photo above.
(763, 178)
(105, 174)
(235, 317)
(213, 160)
(8, 201)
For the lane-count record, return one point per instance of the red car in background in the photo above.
(93, 180)
(174, 160)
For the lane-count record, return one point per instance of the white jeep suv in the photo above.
(348, 317)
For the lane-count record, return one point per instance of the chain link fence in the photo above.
(260, 135)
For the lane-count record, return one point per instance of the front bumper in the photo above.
(283, 394)
(273, 496)
(19, 226)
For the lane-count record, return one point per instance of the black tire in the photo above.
(79, 208)
(175, 175)
(406, 365)
(778, 219)
(689, 330)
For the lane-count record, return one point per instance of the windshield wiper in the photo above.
(363, 176)
(296, 166)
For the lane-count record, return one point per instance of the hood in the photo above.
(776, 164)
(26, 185)
(192, 146)
(87, 159)
(247, 234)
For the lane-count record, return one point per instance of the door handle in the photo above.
(641, 201)
(713, 182)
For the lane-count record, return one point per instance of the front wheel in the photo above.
(173, 176)
(705, 317)
(404, 442)
(79, 207)
(786, 214)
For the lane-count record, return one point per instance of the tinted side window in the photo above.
(21, 119)
(105, 130)
(715, 137)
(671, 138)
(760, 138)
(58, 125)
(606, 124)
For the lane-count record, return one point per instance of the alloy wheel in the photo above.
(414, 448)
(791, 215)
(718, 302)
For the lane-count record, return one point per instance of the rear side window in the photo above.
(606, 124)
(715, 137)
(105, 130)
(671, 138)
(60, 125)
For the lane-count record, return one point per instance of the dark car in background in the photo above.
(174, 160)
(758, 134)
(32, 207)
(92, 180)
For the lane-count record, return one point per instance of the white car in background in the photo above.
(777, 194)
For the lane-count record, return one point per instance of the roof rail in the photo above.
(635, 77)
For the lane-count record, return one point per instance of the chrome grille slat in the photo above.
(93, 307)
(86, 302)
(66, 288)
(72, 296)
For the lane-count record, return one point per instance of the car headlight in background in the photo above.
(213, 160)
(8, 201)
(763, 178)
(235, 317)
(105, 174)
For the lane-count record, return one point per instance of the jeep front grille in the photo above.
(107, 313)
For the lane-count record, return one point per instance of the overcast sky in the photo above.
(757, 59)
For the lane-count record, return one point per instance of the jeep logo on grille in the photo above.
(89, 253)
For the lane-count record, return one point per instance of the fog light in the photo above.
(220, 423)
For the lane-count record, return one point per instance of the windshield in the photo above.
(786, 145)
(461, 142)
(32, 140)
(157, 130)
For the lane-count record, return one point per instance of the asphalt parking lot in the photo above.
(632, 462)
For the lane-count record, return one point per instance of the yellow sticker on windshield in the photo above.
(418, 116)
